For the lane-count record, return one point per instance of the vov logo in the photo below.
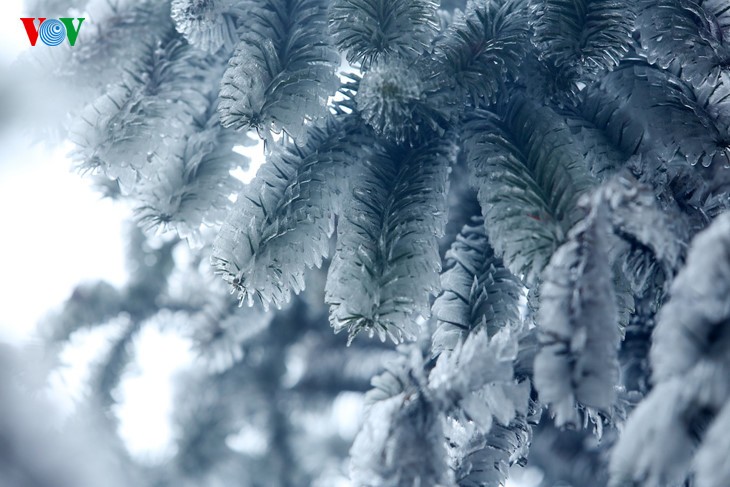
(51, 31)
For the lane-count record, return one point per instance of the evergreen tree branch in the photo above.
(582, 39)
(529, 176)
(121, 132)
(692, 38)
(371, 30)
(208, 24)
(282, 71)
(386, 264)
(482, 48)
(402, 440)
(480, 298)
(690, 369)
(578, 322)
(643, 109)
(478, 291)
(282, 221)
(193, 186)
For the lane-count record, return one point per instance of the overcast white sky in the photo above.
(55, 233)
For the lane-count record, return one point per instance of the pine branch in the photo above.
(690, 370)
(407, 411)
(200, 428)
(483, 460)
(90, 304)
(644, 109)
(117, 39)
(475, 381)
(485, 407)
(149, 263)
(710, 461)
(691, 37)
(401, 441)
(282, 221)
(193, 186)
(282, 71)
(108, 373)
(96, 303)
(579, 334)
(529, 174)
(692, 324)
(582, 39)
(482, 48)
(403, 102)
(124, 129)
(387, 264)
(218, 329)
(603, 157)
(207, 24)
(481, 297)
(371, 30)
(653, 250)
(669, 136)
(478, 291)
(488, 404)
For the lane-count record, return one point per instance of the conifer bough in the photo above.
(532, 193)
